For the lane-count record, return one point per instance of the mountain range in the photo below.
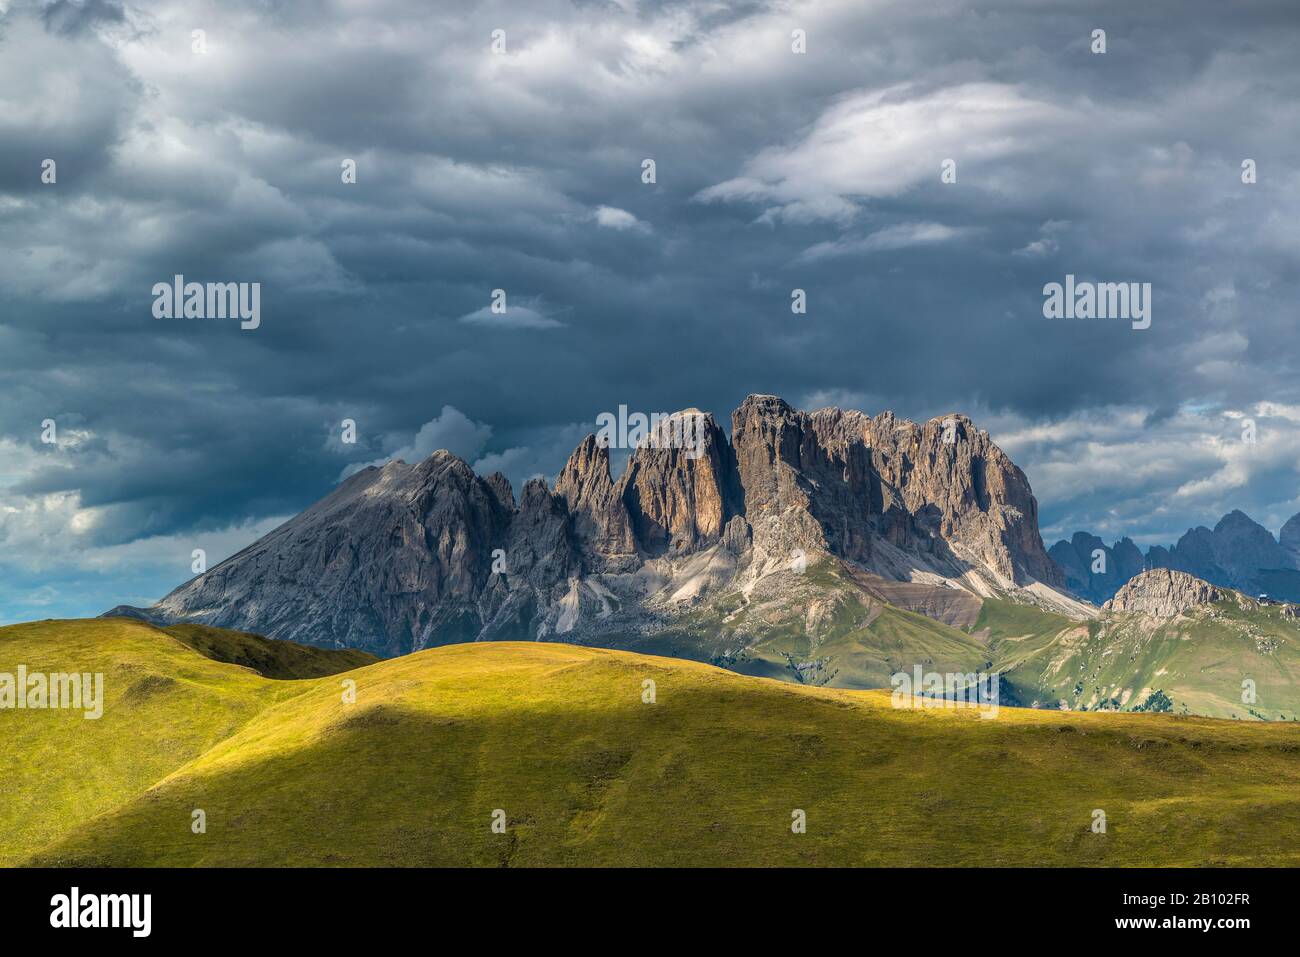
(827, 548)
(409, 556)
(1237, 553)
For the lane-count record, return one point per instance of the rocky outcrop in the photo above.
(404, 557)
(532, 572)
(1164, 593)
(841, 481)
(798, 492)
(676, 496)
(736, 536)
(951, 474)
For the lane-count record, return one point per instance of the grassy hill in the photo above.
(558, 738)
(164, 705)
(1194, 663)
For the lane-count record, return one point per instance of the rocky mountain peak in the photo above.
(759, 403)
(500, 486)
(1096, 570)
(1163, 592)
(601, 521)
(1241, 545)
(778, 466)
(955, 478)
(1289, 539)
(1237, 553)
(586, 473)
(680, 487)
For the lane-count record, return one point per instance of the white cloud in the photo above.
(880, 143)
(1115, 471)
(613, 218)
(54, 534)
(547, 448)
(1047, 243)
(515, 317)
(507, 461)
(452, 430)
(898, 236)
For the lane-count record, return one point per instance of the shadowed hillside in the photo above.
(267, 656)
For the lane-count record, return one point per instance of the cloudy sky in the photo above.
(219, 157)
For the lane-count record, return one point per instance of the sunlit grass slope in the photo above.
(1193, 663)
(559, 738)
(164, 705)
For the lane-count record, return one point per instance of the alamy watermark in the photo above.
(36, 691)
(179, 299)
(659, 430)
(1098, 300)
(933, 689)
(133, 912)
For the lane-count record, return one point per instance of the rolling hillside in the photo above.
(164, 705)
(559, 738)
(1194, 662)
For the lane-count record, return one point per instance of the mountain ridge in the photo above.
(1238, 553)
(407, 556)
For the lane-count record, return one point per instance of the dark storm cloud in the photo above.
(68, 17)
(522, 171)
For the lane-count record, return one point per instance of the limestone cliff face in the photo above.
(1164, 593)
(601, 520)
(780, 467)
(538, 558)
(924, 488)
(948, 471)
(676, 496)
(679, 487)
(408, 556)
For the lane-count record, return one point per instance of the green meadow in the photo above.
(405, 762)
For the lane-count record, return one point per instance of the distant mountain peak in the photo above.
(1238, 553)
